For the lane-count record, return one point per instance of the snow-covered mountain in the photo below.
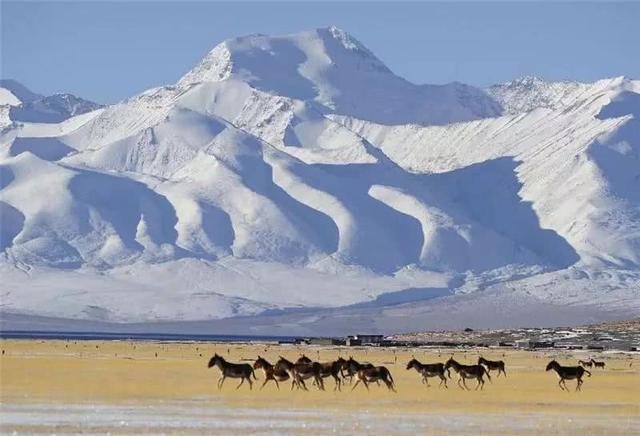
(19, 104)
(299, 172)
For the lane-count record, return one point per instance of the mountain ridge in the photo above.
(228, 195)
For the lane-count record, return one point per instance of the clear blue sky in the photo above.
(109, 51)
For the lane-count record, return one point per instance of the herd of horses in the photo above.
(346, 370)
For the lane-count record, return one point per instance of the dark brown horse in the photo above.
(492, 365)
(351, 368)
(270, 372)
(232, 370)
(468, 372)
(304, 359)
(585, 363)
(333, 369)
(368, 373)
(429, 370)
(299, 372)
(568, 373)
(597, 364)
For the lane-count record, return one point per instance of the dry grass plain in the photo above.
(154, 387)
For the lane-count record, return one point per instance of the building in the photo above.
(532, 345)
(365, 340)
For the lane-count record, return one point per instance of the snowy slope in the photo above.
(528, 93)
(300, 172)
(569, 163)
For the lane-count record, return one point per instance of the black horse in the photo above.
(429, 370)
(492, 365)
(568, 373)
(233, 370)
(468, 372)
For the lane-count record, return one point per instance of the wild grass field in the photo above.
(154, 387)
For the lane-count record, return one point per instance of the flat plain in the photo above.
(58, 386)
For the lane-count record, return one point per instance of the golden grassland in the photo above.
(137, 372)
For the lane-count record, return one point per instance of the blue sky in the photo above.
(109, 51)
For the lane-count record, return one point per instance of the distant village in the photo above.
(615, 336)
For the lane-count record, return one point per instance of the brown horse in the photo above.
(368, 373)
(492, 365)
(429, 370)
(303, 359)
(597, 364)
(351, 367)
(232, 370)
(568, 373)
(270, 372)
(333, 369)
(299, 372)
(468, 371)
(585, 363)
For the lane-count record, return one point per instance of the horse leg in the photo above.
(354, 386)
(459, 383)
(250, 383)
(464, 382)
(366, 385)
(302, 383)
(320, 382)
(265, 382)
(579, 385)
(222, 382)
(241, 381)
(560, 384)
(337, 380)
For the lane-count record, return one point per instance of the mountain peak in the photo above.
(256, 58)
(330, 67)
(27, 106)
(20, 91)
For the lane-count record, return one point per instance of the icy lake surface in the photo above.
(195, 417)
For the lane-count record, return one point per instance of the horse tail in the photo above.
(253, 373)
(390, 378)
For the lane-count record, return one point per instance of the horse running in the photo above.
(597, 364)
(333, 369)
(468, 372)
(492, 365)
(270, 372)
(429, 370)
(368, 373)
(299, 372)
(568, 373)
(585, 363)
(351, 368)
(232, 370)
